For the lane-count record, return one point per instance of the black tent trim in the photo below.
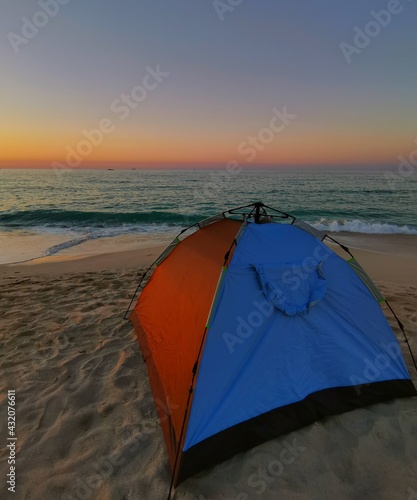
(286, 419)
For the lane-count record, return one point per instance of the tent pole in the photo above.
(191, 390)
(178, 235)
(150, 267)
(346, 249)
(137, 289)
(405, 335)
(258, 207)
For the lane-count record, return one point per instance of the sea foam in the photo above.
(359, 226)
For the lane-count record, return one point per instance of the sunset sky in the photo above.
(224, 70)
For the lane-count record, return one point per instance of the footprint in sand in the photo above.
(106, 366)
(45, 377)
(53, 409)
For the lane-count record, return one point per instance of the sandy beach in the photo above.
(87, 427)
(131, 127)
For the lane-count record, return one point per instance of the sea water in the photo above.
(46, 212)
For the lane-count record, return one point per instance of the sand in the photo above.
(86, 422)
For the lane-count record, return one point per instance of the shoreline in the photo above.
(390, 258)
(59, 265)
(21, 247)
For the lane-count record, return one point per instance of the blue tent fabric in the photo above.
(289, 297)
(264, 351)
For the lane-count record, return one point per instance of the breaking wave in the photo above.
(359, 226)
(72, 218)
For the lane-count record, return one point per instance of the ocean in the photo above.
(46, 212)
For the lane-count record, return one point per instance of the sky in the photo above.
(189, 83)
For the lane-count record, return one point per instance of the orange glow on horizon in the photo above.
(157, 143)
(289, 148)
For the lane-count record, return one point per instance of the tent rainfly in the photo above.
(252, 327)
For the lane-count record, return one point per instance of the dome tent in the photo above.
(252, 327)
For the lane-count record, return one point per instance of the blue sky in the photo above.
(225, 78)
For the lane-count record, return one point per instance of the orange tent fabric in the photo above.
(171, 315)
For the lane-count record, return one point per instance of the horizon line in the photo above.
(196, 166)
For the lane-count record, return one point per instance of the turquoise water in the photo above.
(82, 205)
